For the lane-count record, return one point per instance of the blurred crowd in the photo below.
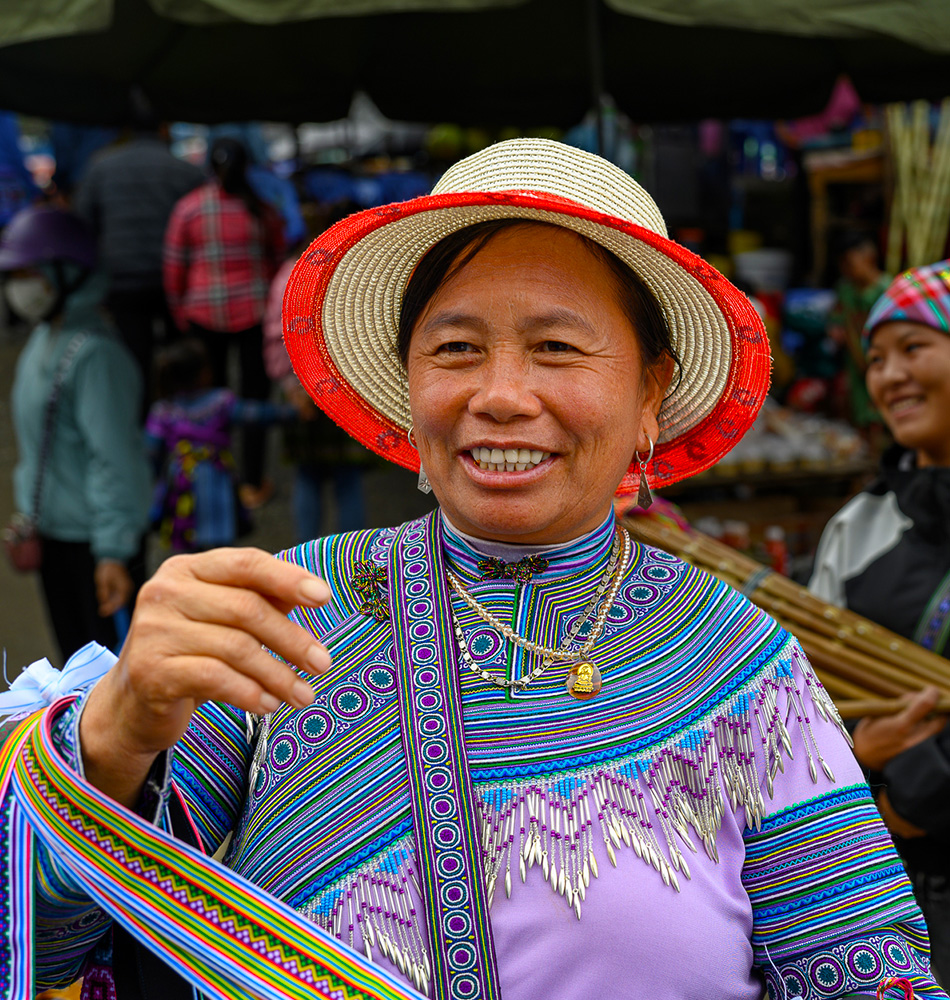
(155, 366)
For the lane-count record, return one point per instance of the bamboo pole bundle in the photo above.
(860, 663)
(937, 210)
(920, 208)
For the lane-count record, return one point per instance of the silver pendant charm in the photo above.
(644, 495)
(424, 486)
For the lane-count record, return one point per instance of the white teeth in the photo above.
(508, 459)
(904, 404)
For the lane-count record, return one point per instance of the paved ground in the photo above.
(391, 497)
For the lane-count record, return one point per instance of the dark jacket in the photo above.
(885, 555)
(127, 196)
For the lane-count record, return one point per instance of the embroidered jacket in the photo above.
(696, 829)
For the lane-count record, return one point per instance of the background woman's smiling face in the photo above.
(908, 379)
(526, 349)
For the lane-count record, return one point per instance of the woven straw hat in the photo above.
(341, 306)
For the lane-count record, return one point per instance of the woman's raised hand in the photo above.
(195, 636)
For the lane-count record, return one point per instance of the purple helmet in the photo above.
(41, 233)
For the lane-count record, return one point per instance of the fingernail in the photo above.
(301, 694)
(268, 703)
(314, 591)
(318, 659)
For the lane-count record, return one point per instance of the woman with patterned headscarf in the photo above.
(886, 555)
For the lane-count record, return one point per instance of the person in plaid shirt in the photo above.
(223, 247)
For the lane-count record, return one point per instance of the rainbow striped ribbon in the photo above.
(225, 935)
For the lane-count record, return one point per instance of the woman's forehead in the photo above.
(898, 330)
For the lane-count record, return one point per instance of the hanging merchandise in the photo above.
(920, 212)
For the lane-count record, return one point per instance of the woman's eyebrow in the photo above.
(554, 317)
(450, 317)
(559, 316)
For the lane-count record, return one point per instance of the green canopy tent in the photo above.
(524, 62)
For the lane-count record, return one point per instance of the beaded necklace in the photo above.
(584, 679)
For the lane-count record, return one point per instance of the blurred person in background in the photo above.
(223, 247)
(861, 283)
(323, 455)
(127, 194)
(95, 484)
(188, 434)
(886, 555)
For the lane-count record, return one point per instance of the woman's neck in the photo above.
(511, 552)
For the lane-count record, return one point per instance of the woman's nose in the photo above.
(892, 369)
(503, 390)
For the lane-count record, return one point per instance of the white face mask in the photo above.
(31, 297)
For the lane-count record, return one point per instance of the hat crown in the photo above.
(555, 169)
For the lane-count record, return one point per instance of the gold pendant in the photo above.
(584, 681)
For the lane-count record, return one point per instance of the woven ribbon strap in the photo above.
(222, 933)
(443, 805)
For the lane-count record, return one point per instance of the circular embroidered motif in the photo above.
(827, 974)
(864, 964)
(350, 702)
(484, 644)
(378, 678)
(284, 753)
(314, 726)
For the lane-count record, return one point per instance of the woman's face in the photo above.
(908, 380)
(526, 350)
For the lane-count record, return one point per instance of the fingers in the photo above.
(214, 662)
(920, 705)
(258, 571)
(246, 612)
(113, 587)
(250, 612)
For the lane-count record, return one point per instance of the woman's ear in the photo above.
(656, 382)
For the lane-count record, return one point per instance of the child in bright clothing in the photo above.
(189, 431)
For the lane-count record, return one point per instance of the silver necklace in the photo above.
(584, 679)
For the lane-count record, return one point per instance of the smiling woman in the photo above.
(527, 347)
(886, 555)
(545, 760)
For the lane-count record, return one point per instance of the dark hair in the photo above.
(229, 162)
(452, 253)
(854, 239)
(180, 367)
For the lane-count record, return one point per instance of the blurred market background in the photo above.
(779, 140)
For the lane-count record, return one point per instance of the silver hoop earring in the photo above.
(423, 485)
(644, 496)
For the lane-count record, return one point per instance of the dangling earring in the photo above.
(423, 485)
(644, 496)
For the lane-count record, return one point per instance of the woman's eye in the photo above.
(455, 347)
(556, 346)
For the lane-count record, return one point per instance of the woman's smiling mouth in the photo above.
(508, 459)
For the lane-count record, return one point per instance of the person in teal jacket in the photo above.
(93, 506)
